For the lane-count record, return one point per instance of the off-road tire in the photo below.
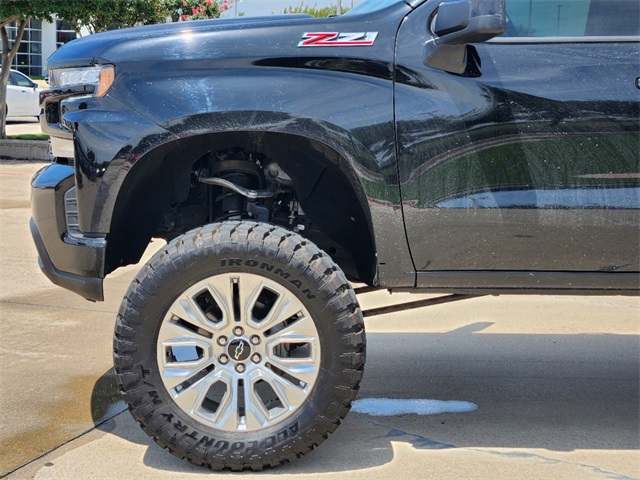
(203, 253)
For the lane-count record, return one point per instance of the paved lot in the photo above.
(556, 381)
(17, 127)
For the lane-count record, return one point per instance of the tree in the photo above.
(19, 11)
(183, 10)
(315, 11)
(95, 16)
(102, 15)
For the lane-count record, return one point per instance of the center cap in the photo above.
(239, 350)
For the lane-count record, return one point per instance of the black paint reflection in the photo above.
(533, 165)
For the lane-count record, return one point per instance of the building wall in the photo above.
(48, 42)
(39, 41)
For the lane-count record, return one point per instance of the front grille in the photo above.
(52, 112)
(62, 160)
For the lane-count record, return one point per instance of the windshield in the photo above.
(373, 5)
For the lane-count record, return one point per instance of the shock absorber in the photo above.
(235, 181)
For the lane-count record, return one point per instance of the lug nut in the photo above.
(255, 358)
(240, 368)
(255, 339)
(222, 341)
(237, 331)
(223, 359)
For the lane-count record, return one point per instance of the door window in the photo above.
(21, 80)
(572, 18)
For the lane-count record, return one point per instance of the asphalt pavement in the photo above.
(555, 380)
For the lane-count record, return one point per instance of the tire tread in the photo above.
(262, 240)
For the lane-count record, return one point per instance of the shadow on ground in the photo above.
(64, 418)
(554, 392)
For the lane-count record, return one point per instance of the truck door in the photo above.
(22, 95)
(529, 160)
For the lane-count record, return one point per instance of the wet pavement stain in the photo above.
(88, 402)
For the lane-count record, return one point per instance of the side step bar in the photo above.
(401, 307)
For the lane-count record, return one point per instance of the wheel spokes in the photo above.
(221, 289)
(180, 375)
(289, 394)
(248, 288)
(191, 398)
(302, 328)
(180, 330)
(303, 370)
(226, 417)
(285, 307)
(256, 415)
(187, 310)
(238, 352)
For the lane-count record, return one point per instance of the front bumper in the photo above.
(72, 261)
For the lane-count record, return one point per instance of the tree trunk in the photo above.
(8, 54)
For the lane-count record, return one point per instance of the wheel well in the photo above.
(324, 184)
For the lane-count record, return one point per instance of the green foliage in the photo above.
(29, 136)
(315, 11)
(16, 10)
(19, 11)
(95, 16)
(101, 15)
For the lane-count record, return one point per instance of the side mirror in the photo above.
(451, 17)
(458, 23)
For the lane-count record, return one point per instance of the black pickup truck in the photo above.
(417, 145)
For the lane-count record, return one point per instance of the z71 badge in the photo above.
(335, 39)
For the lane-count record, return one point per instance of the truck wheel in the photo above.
(239, 345)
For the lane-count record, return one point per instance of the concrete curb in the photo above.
(24, 150)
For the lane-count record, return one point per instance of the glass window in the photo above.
(64, 33)
(22, 59)
(64, 37)
(63, 25)
(29, 57)
(572, 18)
(21, 80)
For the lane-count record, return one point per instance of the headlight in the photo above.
(101, 77)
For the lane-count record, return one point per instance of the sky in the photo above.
(254, 8)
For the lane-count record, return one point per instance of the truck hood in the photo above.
(89, 50)
(195, 39)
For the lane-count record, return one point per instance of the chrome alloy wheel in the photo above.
(238, 352)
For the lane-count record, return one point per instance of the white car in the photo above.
(22, 96)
